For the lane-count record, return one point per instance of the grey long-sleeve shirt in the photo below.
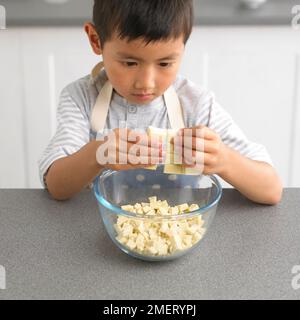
(199, 108)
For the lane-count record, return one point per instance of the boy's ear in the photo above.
(93, 38)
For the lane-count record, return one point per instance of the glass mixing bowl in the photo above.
(172, 235)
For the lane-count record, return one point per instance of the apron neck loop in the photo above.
(96, 70)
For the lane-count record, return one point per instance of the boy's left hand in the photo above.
(201, 148)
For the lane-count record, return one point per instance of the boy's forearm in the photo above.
(256, 180)
(68, 176)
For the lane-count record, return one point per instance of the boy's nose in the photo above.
(145, 81)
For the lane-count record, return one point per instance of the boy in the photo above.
(142, 43)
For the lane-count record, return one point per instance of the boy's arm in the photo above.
(244, 164)
(256, 180)
(69, 175)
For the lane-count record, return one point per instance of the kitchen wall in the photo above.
(253, 70)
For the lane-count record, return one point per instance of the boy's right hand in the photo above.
(124, 149)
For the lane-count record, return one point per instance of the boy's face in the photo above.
(139, 72)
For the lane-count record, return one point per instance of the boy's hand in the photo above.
(124, 149)
(201, 148)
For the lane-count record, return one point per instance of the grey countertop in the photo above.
(207, 12)
(60, 250)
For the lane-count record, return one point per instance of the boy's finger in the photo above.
(144, 151)
(192, 143)
(144, 139)
(125, 147)
(150, 141)
(194, 158)
(199, 158)
(124, 158)
(199, 132)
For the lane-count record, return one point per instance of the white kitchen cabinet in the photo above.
(13, 163)
(52, 58)
(252, 70)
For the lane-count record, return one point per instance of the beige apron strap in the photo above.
(174, 109)
(96, 70)
(100, 110)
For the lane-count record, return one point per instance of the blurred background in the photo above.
(246, 51)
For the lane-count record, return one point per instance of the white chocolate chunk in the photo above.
(121, 220)
(145, 204)
(138, 206)
(193, 207)
(187, 240)
(183, 207)
(170, 167)
(140, 242)
(131, 244)
(146, 209)
(174, 210)
(164, 228)
(165, 204)
(159, 237)
(163, 211)
(127, 208)
(141, 228)
(122, 240)
(176, 242)
(151, 213)
(152, 199)
(154, 205)
(127, 230)
(152, 250)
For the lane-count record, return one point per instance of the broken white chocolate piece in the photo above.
(161, 237)
(170, 166)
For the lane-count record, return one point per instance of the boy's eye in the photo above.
(165, 64)
(133, 64)
(129, 63)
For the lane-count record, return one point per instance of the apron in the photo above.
(172, 102)
(100, 110)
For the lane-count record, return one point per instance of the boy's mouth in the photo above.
(143, 97)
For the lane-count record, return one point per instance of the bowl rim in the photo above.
(118, 211)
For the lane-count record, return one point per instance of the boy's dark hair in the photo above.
(152, 20)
